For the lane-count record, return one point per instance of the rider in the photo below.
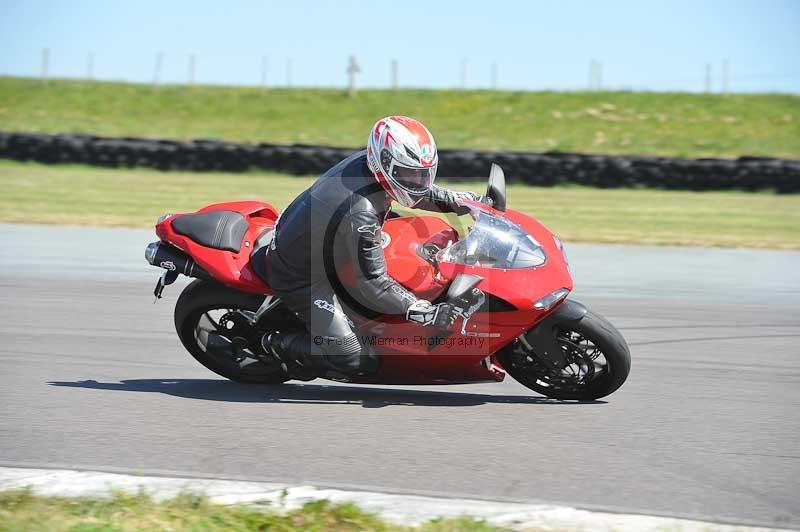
(326, 259)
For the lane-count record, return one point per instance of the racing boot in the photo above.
(294, 362)
(341, 359)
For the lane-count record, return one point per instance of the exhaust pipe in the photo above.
(171, 258)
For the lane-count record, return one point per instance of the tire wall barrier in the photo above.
(541, 169)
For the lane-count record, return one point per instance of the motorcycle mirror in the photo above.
(496, 190)
(462, 284)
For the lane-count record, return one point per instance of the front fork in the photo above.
(542, 340)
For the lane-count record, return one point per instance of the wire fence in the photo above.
(711, 77)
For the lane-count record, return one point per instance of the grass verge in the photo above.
(79, 195)
(22, 511)
(676, 124)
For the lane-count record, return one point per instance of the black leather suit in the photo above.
(326, 262)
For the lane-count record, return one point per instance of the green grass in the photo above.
(21, 511)
(78, 195)
(679, 124)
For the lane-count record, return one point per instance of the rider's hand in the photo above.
(474, 197)
(441, 316)
(466, 196)
(464, 209)
(460, 208)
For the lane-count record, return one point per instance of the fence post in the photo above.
(90, 66)
(191, 69)
(708, 78)
(395, 81)
(352, 70)
(157, 69)
(264, 67)
(45, 63)
(599, 76)
(725, 77)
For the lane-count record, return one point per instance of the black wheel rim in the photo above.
(585, 364)
(226, 335)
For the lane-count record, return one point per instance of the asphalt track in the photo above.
(706, 426)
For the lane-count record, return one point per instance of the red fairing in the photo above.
(521, 287)
(402, 240)
(232, 269)
(410, 353)
(413, 354)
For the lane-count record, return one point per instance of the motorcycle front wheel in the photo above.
(212, 323)
(597, 361)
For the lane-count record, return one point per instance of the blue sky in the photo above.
(654, 45)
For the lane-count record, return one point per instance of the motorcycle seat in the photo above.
(223, 230)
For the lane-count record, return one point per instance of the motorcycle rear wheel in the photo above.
(598, 361)
(216, 334)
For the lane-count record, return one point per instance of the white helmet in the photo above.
(402, 154)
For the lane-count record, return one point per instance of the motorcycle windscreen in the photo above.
(495, 242)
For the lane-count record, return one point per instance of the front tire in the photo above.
(227, 345)
(598, 360)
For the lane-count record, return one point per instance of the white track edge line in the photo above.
(405, 509)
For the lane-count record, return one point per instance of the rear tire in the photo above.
(596, 332)
(201, 297)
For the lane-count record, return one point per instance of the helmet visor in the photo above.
(416, 180)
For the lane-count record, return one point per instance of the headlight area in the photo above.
(547, 302)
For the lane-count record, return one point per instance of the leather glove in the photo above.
(441, 316)
(466, 195)
(463, 209)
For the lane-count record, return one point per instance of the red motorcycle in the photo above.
(509, 274)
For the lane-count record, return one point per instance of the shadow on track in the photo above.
(366, 396)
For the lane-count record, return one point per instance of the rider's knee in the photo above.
(348, 355)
